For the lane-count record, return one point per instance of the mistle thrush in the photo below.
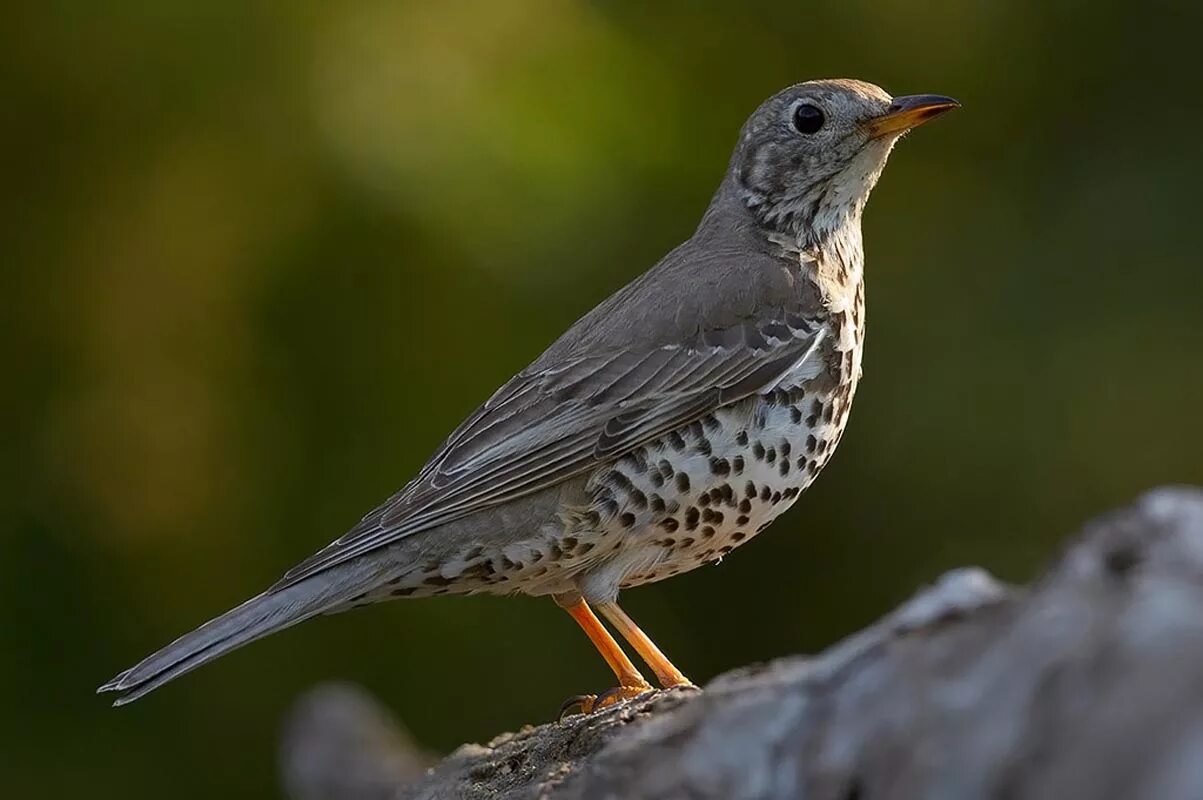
(665, 428)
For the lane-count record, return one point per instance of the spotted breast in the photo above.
(701, 491)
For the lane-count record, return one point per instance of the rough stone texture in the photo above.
(1088, 684)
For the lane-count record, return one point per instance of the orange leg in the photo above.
(666, 673)
(631, 683)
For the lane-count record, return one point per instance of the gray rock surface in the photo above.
(1087, 684)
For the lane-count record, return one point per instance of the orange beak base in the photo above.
(909, 112)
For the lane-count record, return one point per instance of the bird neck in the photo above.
(825, 221)
(829, 252)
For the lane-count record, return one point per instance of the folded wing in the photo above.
(549, 424)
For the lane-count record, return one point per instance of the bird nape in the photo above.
(666, 427)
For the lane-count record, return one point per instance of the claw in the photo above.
(585, 703)
(614, 695)
(588, 703)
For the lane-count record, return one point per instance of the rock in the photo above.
(1088, 684)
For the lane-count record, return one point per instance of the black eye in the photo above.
(808, 118)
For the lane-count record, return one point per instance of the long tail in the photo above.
(258, 617)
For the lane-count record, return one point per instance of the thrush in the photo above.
(665, 428)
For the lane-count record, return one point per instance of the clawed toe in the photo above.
(588, 703)
(577, 704)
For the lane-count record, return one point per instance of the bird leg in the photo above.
(666, 673)
(630, 682)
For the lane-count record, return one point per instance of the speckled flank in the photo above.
(694, 497)
(688, 499)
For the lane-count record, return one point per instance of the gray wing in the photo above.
(552, 422)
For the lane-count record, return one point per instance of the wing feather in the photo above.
(547, 425)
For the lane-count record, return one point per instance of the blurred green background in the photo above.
(259, 258)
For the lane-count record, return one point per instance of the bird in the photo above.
(666, 427)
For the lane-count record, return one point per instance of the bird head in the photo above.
(809, 156)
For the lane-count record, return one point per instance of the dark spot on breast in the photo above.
(637, 498)
(436, 580)
(480, 568)
(737, 464)
(707, 532)
(784, 467)
(675, 441)
(669, 524)
(704, 499)
(656, 478)
(741, 438)
(828, 412)
(619, 480)
(390, 582)
(776, 498)
(657, 504)
(687, 542)
(786, 447)
(703, 447)
(720, 466)
(536, 556)
(750, 489)
(711, 423)
(1120, 561)
(722, 551)
(569, 542)
(811, 443)
(745, 505)
(627, 519)
(710, 515)
(758, 451)
(682, 482)
(404, 591)
(584, 548)
(765, 493)
(738, 536)
(692, 516)
(770, 455)
(667, 541)
(795, 415)
(742, 519)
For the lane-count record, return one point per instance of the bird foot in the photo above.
(588, 703)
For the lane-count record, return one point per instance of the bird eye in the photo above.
(808, 118)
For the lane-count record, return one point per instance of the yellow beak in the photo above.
(909, 112)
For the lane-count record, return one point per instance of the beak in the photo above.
(909, 112)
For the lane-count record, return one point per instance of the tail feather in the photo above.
(260, 616)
